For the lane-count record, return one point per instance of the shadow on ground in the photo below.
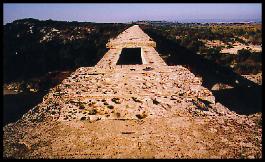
(244, 98)
(16, 105)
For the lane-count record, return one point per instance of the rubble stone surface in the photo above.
(90, 91)
(159, 111)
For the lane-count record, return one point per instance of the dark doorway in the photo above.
(130, 56)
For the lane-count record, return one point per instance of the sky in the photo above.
(125, 12)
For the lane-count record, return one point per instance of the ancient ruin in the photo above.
(111, 91)
(132, 109)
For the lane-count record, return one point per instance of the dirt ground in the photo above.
(175, 137)
(234, 50)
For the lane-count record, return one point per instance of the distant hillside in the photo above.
(33, 47)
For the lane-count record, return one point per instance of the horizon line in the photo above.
(200, 20)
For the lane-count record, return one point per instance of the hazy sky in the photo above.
(131, 12)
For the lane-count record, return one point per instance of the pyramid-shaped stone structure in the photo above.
(111, 91)
(144, 109)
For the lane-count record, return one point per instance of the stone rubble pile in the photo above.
(123, 93)
(110, 91)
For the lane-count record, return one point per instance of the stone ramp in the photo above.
(124, 93)
(131, 37)
(110, 91)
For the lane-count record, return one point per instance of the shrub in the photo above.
(243, 54)
(81, 106)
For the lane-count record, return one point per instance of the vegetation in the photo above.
(33, 48)
(82, 106)
(188, 38)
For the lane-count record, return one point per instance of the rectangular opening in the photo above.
(130, 56)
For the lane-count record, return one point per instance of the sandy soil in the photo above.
(175, 137)
(234, 50)
(236, 46)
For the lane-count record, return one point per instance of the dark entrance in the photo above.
(130, 56)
